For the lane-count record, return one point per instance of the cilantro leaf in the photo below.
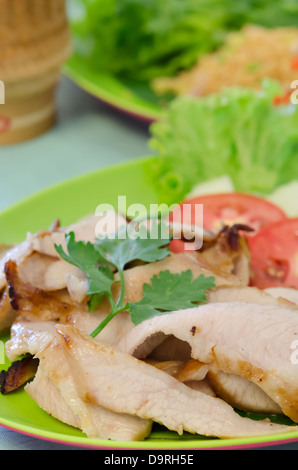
(97, 261)
(85, 257)
(80, 254)
(125, 248)
(169, 292)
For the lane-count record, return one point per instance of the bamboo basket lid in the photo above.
(34, 37)
(35, 42)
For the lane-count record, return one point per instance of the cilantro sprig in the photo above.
(169, 292)
(98, 272)
(99, 260)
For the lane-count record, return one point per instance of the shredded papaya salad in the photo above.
(273, 243)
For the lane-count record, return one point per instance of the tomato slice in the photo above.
(274, 252)
(227, 209)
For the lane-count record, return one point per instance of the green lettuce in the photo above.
(238, 132)
(145, 39)
(274, 13)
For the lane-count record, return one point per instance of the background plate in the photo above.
(69, 201)
(134, 98)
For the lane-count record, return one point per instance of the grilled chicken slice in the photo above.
(241, 393)
(113, 332)
(18, 374)
(47, 273)
(35, 269)
(175, 263)
(35, 304)
(7, 313)
(86, 229)
(251, 295)
(30, 299)
(77, 286)
(230, 253)
(39, 271)
(32, 302)
(202, 386)
(45, 269)
(17, 254)
(109, 378)
(253, 341)
(136, 276)
(284, 293)
(59, 390)
(62, 401)
(192, 373)
(188, 371)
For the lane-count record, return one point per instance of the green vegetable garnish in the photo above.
(145, 39)
(98, 272)
(238, 132)
(168, 291)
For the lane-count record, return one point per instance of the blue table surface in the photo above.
(89, 135)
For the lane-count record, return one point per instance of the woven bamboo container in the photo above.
(34, 43)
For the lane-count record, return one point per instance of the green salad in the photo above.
(238, 132)
(146, 39)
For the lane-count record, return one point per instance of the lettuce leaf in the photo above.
(146, 39)
(238, 132)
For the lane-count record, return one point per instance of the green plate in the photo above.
(134, 98)
(69, 201)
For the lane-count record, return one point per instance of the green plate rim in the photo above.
(142, 110)
(210, 444)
